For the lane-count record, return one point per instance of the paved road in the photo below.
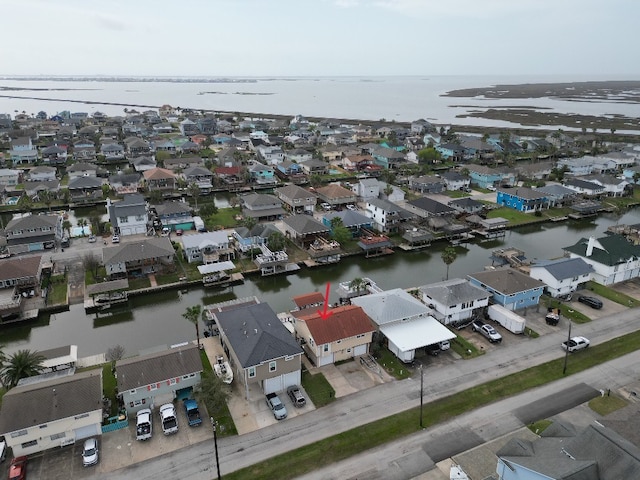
(197, 462)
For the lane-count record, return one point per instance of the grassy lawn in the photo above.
(225, 218)
(607, 404)
(565, 310)
(456, 194)
(465, 349)
(612, 295)
(57, 290)
(320, 391)
(357, 440)
(167, 278)
(539, 426)
(529, 332)
(513, 216)
(393, 366)
(225, 421)
(109, 384)
(137, 283)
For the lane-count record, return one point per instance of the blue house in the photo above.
(387, 158)
(484, 177)
(450, 151)
(522, 199)
(509, 287)
(351, 220)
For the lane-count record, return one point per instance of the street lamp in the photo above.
(215, 443)
(421, 394)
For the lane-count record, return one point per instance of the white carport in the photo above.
(215, 267)
(405, 337)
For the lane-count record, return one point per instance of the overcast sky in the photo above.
(319, 37)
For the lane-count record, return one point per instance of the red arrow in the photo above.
(326, 314)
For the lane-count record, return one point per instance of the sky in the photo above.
(218, 38)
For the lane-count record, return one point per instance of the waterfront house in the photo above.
(269, 154)
(182, 163)
(82, 170)
(561, 451)
(314, 166)
(557, 195)
(613, 186)
(23, 151)
(467, 205)
(303, 229)
(21, 275)
(159, 377)
(451, 151)
(173, 215)
(613, 258)
(562, 276)
(583, 187)
(207, 247)
(421, 126)
(128, 216)
(427, 184)
(33, 189)
(260, 349)
(297, 199)
(357, 162)
(336, 195)
(288, 170)
(510, 288)
(247, 240)
(160, 179)
(386, 216)
(200, 176)
(484, 176)
(427, 207)
(139, 258)
(31, 233)
(455, 181)
(11, 178)
(41, 173)
(388, 158)
(125, 183)
(522, 199)
(345, 334)
(367, 188)
(85, 190)
(355, 222)
(454, 301)
(55, 412)
(261, 206)
(404, 321)
(262, 174)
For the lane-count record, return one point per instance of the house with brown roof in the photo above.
(308, 300)
(160, 179)
(52, 413)
(158, 377)
(297, 199)
(345, 334)
(336, 195)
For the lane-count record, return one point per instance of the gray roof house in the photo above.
(510, 288)
(562, 276)
(297, 199)
(303, 229)
(33, 232)
(158, 377)
(46, 414)
(128, 216)
(455, 300)
(261, 206)
(427, 207)
(467, 205)
(261, 350)
(151, 255)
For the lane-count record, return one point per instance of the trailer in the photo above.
(507, 318)
(198, 224)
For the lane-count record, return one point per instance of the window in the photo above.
(325, 347)
(272, 366)
(252, 372)
(56, 436)
(43, 426)
(139, 218)
(360, 336)
(153, 387)
(18, 434)
(172, 381)
(132, 392)
(288, 357)
(137, 403)
(32, 443)
(123, 219)
(339, 341)
(78, 417)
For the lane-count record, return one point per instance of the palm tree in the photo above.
(357, 284)
(82, 222)
(193, 315)
(66, 226)
(194, 191)
(46, 197)
(276, 242)
(449, 256)
(22, 364)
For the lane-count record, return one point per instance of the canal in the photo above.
(157, 319)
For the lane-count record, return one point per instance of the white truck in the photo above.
(144, 425)
(198, 224)
(508, 319)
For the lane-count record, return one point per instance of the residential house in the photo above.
(140, 164)
(23, 151)
(208, 247)
(595, 452)
(10, 178)
(614, 259)
(32, 233)
(617, 161)
(144, 257)
(484, 176)
(557, 195)
(78, 170)
(562, 276)
(298, 155)
(386, 216)
(303, 229)
(583, 187)
(230, 175)
(125, 183)
(357, 163)
(162, 127)
(613, 186)
(112, 151)
(21, 275)
(454, 301)
(188, 147)
(291, 171)
(261, 206)
(427, 184)
(159, 377)
(42, 173)
(535, 171)
(522, 199)
(260, 349)
(451, 151)
(247, 240)
(388, 158)
(336, 195)
(188, 127)
(200, 176)
(314, 166)
(474, 147)
(455, 181)
(510, 288)
(128, 216)
(355, 222)
(52, 413)
(367, 188)
(331, 153)
(174, 215)
(160, 179)
(85, 189)
(421, 126)
(182, 163)
(404, 321)
(262, 174)
(345, 334)
(297, 199)
(270, 155)
(54, 155)
(427, 207)
(164, 145)
(467, 205)
(33, 189)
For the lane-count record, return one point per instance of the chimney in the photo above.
(590, 245)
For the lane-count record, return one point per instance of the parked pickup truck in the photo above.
(144, 427)
(296, 396)
(193, 414)
(276, 406)
(169, 419)
(487, 331)
(575, 343)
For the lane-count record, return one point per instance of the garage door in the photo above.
(272, 385)
(88, 431)
(360, 350)
(326, 360)
(292, 378)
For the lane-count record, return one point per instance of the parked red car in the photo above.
(18, 468)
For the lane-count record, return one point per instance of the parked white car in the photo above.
(90, 452)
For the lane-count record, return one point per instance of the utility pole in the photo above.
(215, 443)
(421, 394)
(566, 354)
